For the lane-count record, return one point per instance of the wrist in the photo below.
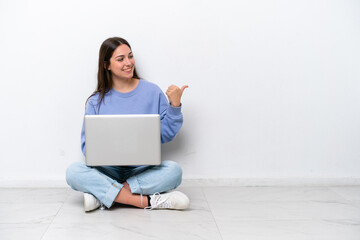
(174, 111)
(175, 104)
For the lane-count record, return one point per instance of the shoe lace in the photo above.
(160, 202)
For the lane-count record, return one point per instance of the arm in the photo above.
(170, 114)
(89, 110)
(171, 120)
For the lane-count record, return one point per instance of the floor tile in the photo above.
(348, 192)
(279, 203)
(129, 229)
(28, 212)
(270, 194)
(34, 195)
(22, 231)
(290, 229)
(305, 210)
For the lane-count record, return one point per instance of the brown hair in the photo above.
(104, 80)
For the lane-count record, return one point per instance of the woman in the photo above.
(121, 91)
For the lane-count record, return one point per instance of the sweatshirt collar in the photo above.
(128, 94)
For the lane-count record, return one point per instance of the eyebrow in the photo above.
(122, 55)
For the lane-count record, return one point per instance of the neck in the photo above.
(125, 85)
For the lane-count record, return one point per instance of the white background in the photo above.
(274, 86)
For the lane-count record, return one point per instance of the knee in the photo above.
(175, 171)
(72, 172)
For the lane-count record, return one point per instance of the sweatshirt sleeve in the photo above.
(89, 110)
(171, 119)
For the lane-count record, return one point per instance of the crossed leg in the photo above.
(126, 197)
(134, 191)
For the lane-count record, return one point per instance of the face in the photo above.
(122, 63)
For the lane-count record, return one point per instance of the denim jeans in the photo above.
(105, 182)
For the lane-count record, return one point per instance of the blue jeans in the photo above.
(105, 182)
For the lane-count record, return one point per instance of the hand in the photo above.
(174, 94)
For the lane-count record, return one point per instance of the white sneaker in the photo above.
(90, 202)
(172, 200)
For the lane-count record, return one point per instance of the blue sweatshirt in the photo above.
(146, 98)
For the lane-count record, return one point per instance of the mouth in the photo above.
(128, 70)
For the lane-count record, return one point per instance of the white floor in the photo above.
(215, 213)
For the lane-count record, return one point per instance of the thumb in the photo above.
(183, 88)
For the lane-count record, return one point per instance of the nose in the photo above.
(127, 61)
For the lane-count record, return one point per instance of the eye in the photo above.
(120, 59)
(131, 56)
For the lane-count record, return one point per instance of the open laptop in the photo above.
(122, 140)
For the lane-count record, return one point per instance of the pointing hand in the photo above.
(174, 94)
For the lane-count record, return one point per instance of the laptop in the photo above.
(122, 140)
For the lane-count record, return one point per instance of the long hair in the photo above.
(104, 80)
